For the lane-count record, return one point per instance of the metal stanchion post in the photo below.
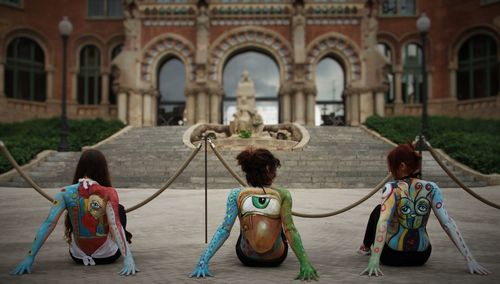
(206, 190)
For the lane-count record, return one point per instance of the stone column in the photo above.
(215, 99)
(154, 107)
(201, 106)
(286, 106)
(311, 104)
(398, 96)
(366, 105)
(49, 74)
(146, 109)
(380, 103)
(347, 111)
(452, 69)
(135, 108)
(299, 105)
(105, 88)
(122, 102)
(354, 109)
(190, 92)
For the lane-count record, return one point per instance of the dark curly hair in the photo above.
(259, 166)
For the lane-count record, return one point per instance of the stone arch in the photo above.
(89, 39)
(391, 41)
(467, 33)
(112, 42)
(340, 47)
(243, 38)
(34, 35)
(164, 46)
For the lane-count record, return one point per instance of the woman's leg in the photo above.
(123, 221)
(371, 227)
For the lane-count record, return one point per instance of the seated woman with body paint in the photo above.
(265, 216)
(396, 233)
(95, 222)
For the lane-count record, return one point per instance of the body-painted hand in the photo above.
(307, 273)
(475, 267)
(373, 268)
(24, 267)
(129, 266)
(201, 270)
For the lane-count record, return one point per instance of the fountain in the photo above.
(247, 127)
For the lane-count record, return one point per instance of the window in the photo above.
(105, 9)
(411, 81)
(25, 77)
(265, 75)
(89, 76)
(405, 8)
(15, 3)
(477, 75)
(114, 52)
(330, 81)
(387, 52)
(171, 83)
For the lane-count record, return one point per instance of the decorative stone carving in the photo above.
(202, 35)
(299, 34)
(377, 67)
(246, 117)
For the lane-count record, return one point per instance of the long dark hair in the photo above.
(93, 165)
(259, 166)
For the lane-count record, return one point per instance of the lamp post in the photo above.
(65, 29)
(423, 25)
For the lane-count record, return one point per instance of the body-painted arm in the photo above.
(453, 233)
(307, 271)
(118, 234)
(58, 206)
(220, 235)
(388, 205)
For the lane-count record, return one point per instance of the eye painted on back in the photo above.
(422, 206)
(261, 204)
(405, 210)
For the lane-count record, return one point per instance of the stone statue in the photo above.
(299, 34)
(202, 35)
(246, 117)
(376, 64)
(126, 66)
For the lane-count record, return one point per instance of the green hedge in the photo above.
(473, 142)
(28, 138)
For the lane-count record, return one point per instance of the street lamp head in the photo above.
(423, 23)
(65, 27)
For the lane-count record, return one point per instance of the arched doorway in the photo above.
(265, 74)
(330, 83)
(171, 84)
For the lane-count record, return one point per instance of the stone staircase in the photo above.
(336, 157)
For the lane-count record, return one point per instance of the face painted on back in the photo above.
(96, 206)
(267, 205)
(414, 206)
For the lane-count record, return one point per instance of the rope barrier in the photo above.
(457, 181)
(298, 214)
(169, 182)
(13, 162)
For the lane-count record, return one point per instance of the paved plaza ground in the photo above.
(169, 237)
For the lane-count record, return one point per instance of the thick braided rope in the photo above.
(13, 162)
(298, 214)
(169, 181)
(457, 181)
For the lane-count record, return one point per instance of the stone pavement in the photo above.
(169, 237)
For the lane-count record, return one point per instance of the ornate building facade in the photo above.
(316, 62)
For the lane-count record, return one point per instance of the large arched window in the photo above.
(171, 83)
(25, 77)
(387, 52)
(265, 75)
(114, 52)
(477, 75)
(89, 76)
(412, 74)
(330, 82)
